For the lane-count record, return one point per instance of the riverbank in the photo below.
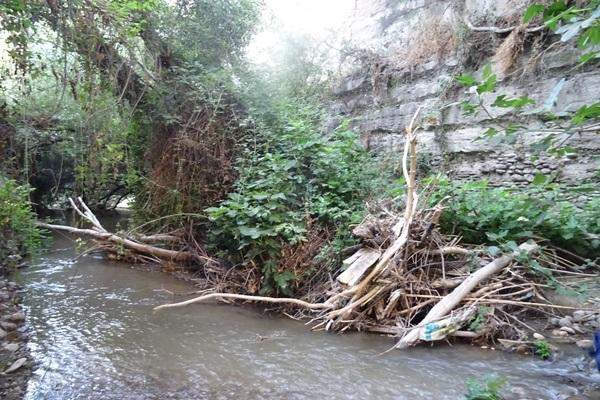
(93, 335)
(15, 363)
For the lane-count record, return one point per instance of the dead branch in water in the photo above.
(222, 296)
(110, 241)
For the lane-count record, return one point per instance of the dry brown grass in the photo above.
(300, 260)
(510, 50)
(433, 40)
(192, 163)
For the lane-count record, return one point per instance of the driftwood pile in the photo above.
(410, 281)
(423, 286)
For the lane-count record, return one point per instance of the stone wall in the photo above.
(406, 53)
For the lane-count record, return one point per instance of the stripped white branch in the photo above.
(495, 29)
(233, 296)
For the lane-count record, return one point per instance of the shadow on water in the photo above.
(94, 335)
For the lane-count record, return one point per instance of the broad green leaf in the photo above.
(532, 11)
(260, 196)
(489, 83)
(466, 80)
(520, 102)
(590, 37)
(253, 233)
(487, 71)
(586, 112)
(490, 132)
(469, 108)
(588, 56)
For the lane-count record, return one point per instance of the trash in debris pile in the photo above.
(420, 285)
(411, 281)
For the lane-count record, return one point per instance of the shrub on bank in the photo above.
(18, 232)
(296, 179)
(482, 214)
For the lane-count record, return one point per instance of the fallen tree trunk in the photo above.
(139, 245)
(142, 248)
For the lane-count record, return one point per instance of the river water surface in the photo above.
(94, 336)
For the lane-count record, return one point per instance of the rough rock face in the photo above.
(406, 53)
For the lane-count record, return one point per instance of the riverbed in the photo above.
(93, 335)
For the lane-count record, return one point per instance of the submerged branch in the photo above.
(222, 296)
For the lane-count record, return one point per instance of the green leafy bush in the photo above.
(483, 214)
(542, 349)
(294, 178)
(485, 389)
(18, 232)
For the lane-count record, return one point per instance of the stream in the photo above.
(94, 336)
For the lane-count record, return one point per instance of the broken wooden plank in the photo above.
(365, 258)
(350, 260)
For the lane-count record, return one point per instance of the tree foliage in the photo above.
(160, 73)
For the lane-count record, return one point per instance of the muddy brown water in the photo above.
(94, 336)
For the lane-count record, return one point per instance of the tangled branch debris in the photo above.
(139, 247)
(420, 285)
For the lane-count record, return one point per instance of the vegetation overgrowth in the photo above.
(292, 180)
(483, 214)
(488, 388)
(153, 100)
(19, 234)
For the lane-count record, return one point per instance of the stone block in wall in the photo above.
(575, 92)
(582, 141)
(580, 171)
(415, 90)
(564, 56)
(493, 9)
(351, 84)
(578, 90)
(510, 168)
(468, 140)
(381, 142)
(393, 118)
